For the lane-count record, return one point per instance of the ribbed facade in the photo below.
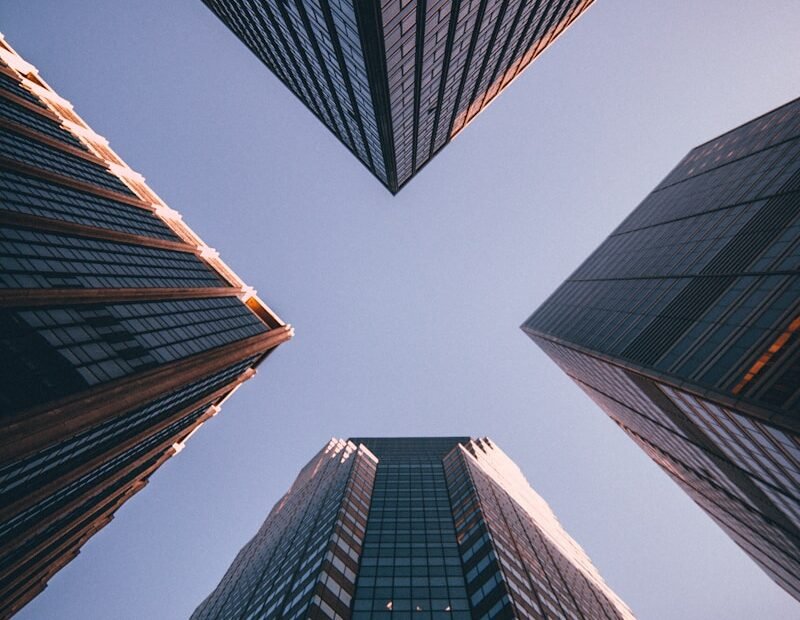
(684, 326)
(121, 332)
(396, 80)
(418, 528)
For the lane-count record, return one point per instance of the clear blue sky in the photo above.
(407, 308)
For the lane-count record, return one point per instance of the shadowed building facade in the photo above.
(396, 80)
(423, 528)
(684, 326)
(121, 332)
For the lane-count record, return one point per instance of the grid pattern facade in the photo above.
(36, 259)
(684, 325)
(303, 561)
(396, 80)
(410, 564)
(120, 330)
(442, 528)
(33, 471)
(102, 343)
(518, 560)
(28, 195)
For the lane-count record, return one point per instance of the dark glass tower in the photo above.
(419, 528)
(396, 80)
(121, 332)
(684, 326)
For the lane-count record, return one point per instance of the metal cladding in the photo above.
(121, 332)
(418, 527)
(396, 80)
(684, 326)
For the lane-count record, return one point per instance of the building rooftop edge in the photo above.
(739, 126)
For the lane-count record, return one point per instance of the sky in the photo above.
(407, 308)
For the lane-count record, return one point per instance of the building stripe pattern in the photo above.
(425, 528)
(396, 80)
(684, 326)
(121, 332)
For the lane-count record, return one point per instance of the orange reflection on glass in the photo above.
(773, 349)
(515, 69)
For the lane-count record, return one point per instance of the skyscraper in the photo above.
(427, 528)
(684, 326)
(121, 332)
(396, 80)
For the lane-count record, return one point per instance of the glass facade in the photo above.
(16, 478)
(304, 559)
(20, 148)
(440, 528)
(121, 332)
(410, 563)
(28, 195)
(518, 560)
(396, 80)
(36, 259)
(105, 342)
(684, 325)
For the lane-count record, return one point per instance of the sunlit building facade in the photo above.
(396, 80)
(424, 528)
(684, 326)
(121, 332)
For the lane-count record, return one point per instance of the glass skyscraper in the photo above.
(684, 326)
(121, 332)
(418, 528)
(396, 80)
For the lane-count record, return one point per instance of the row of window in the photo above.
(277, 573)
(397, 575)
(106, 342)
(753, 177)
(676, 247)
(37, 259)
(21, 476)
(768, 130)
(49, 158)
(13, 527)
(768, 455)
(11, 85)
(704, 328)
(296, 43)
(68, 530)
(698, 470)
(25, 194)
(43, 124)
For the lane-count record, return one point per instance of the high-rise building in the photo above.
(423, 528)
(396, 80)
(121, 332)
(684, 326)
